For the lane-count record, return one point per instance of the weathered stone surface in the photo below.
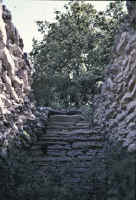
(64, 143)
(115, 113)
(131, 7)
(62, 136)
(132, 148)
(15, 106)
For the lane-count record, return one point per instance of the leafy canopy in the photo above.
(70, 59)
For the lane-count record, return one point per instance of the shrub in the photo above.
(20, 178)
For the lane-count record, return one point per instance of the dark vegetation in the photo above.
(111, 177)
(69, 61)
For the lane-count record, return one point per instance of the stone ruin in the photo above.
(116, 113)
(15, 73)
(68, 144)
(56, 137)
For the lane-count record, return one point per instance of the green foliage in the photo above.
(70, 59)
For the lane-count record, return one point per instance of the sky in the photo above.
(26, 12)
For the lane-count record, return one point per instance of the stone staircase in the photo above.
(67, 140)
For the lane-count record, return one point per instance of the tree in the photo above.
(70, 59)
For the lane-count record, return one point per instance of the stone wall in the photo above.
(116, 113)
(15, 73)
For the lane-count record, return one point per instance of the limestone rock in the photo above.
(115, 111)
(131, 7)
(14, 88)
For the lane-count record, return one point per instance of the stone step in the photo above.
(66, 118)
(69, 132)
(64, 159)
(86, 145)
(52, 159)
(67, 138)
(70, 139)
(70, 123)
(72, 145)
(68, 127)
(76, 135)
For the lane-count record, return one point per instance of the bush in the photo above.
(20, 178)
(121, 174)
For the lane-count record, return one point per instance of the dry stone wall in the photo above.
(67, 140)
(116, 113)
(63, 137)
(15, 73)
